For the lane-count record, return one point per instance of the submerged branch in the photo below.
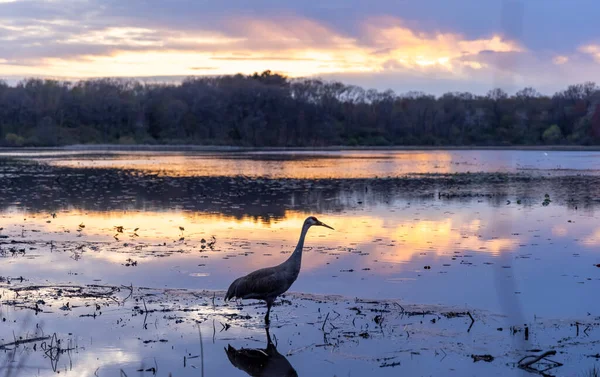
(24, 341)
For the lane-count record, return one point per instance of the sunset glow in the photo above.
(91, 39)
(296, 47)
(410, 238)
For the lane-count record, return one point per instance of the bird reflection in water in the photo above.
(257, 362)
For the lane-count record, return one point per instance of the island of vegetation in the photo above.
(270, 110)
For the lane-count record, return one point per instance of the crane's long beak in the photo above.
(325, 225)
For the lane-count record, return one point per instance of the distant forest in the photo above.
(267, 109)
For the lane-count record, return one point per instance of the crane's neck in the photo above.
(296, 258)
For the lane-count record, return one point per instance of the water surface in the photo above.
(319, 164)
(513, 233)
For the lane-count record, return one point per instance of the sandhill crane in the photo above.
(268, 283)
(267, 362)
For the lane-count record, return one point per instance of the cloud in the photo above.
(510, 71)
(560, 59)
(297, 46)
(593, 50)
(407, 48)
(90, 38)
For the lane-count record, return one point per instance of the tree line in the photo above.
(268, 109)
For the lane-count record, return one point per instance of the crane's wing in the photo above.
(258, 284)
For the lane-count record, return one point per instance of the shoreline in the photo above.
(340, 148)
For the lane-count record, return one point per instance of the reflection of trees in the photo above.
(42, 188)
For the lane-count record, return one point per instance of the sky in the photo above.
(433, 46)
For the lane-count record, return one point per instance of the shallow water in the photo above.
(197, 221)
(318, 164)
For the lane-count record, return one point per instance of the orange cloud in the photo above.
(413, 50)
(593, 50)
(295, 46)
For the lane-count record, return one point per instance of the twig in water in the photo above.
(18, 342)
(324, 322)
(291, 352)
(470, 316)
(130, 293)
(379, 321)
(527, 365)
(201, 351)
(472, 321)
(445, 354)
(145, 325)
(534, 359)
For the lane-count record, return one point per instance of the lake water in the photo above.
(511, 235)
(317, 164)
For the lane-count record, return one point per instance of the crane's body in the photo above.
(268, 283)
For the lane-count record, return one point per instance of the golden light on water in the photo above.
(386, 239)
(592, 239)
(357, 164)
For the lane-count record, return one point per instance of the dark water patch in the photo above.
(39, 187)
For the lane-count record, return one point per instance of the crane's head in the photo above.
(310, 221)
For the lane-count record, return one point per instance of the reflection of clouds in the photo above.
(326, 165)
(443, 236)
(305, 164)
(101, 225)
(250, 240)
(90, 362)
(592, 240)
(560, 230)
(93, 347)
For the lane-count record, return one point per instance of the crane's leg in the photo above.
(267, 320)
